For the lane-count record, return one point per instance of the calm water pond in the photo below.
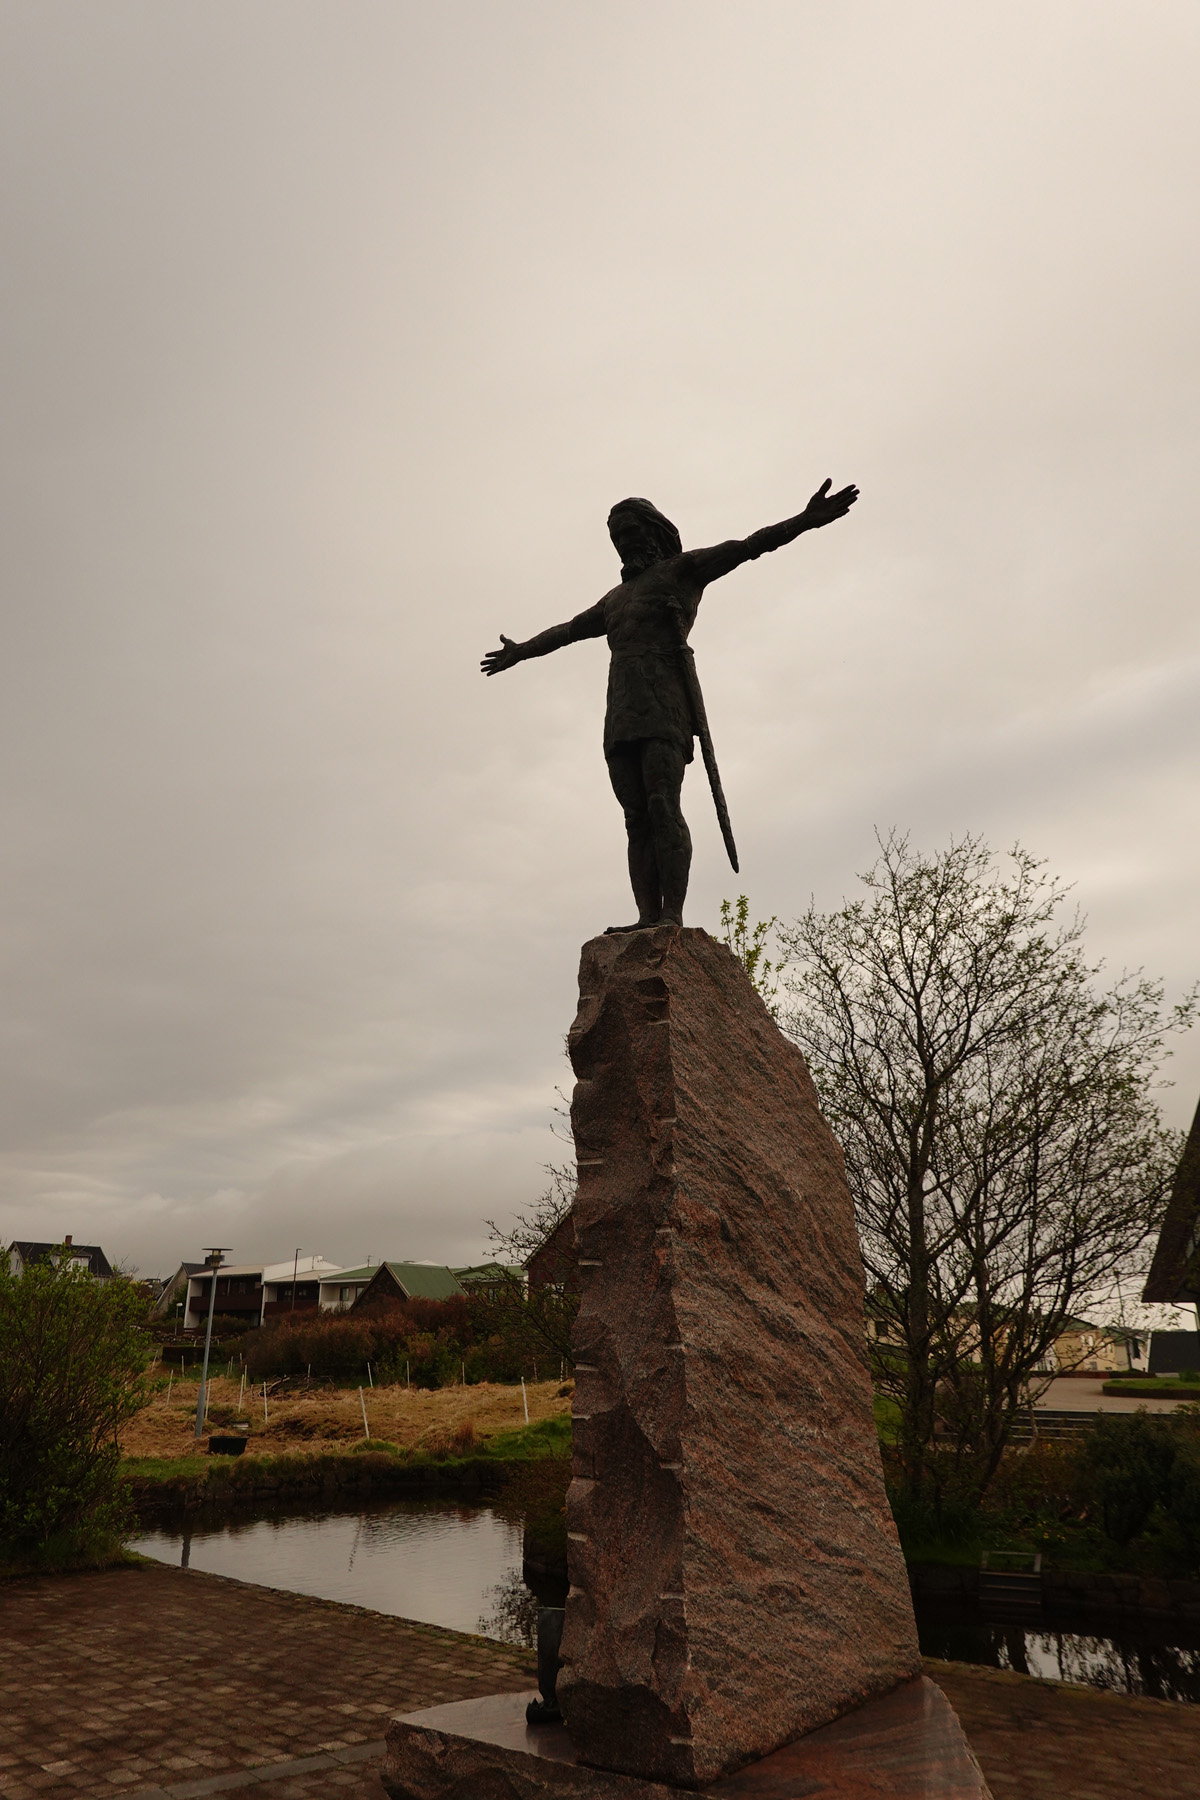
(457, 1566)
(1127, 1662)
(460, 1566)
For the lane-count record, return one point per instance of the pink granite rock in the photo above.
(736, 1579)
(907, 1745)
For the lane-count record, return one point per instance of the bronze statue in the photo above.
(654, 704)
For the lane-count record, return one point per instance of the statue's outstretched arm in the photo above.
(822, 509)
(583, 625)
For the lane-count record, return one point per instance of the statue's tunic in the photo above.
(646, 693)
(647, 698)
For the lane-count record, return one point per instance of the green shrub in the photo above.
(943, 1527)
(1128, 1461)
(73, 1357)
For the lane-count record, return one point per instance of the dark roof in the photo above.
(1175, 1271)
(98, 1263)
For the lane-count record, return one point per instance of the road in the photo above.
(1084, 1393)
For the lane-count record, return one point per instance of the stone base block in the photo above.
(906, 1745)
(736, 1578)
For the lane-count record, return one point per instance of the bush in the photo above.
(227, 1326)
(73, 1357)
(1128, 1462)
(430, 1340)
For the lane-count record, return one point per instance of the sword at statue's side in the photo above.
(691, 682)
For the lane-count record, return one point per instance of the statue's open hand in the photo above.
(504, 658)
(825, 507)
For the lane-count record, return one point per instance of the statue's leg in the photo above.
(625, 773)
(663, 768)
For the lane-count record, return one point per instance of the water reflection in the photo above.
(445, 1563)
(428, 1560)
(512, 1616)
(1121, 1663)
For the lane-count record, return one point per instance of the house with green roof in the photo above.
(492, 1277)
(398, 1282)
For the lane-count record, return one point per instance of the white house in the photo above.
(256, 1291)
(342, 1288)
(23, 1254)
(310, 1274)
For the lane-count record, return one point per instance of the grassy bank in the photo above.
(436, 1423)
(169, 1483)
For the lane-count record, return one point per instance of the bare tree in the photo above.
(543, 1311)
(1002, 1140)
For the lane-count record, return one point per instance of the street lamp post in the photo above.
(212, 1260)
(295, 1272)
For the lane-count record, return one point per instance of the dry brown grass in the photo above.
(447, 1421)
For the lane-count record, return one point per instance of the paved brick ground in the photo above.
(1037, 1740)
(146, 1678)
(159, 1680)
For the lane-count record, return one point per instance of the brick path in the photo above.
(168, 1682)
(1037, 1740)
(148, 1678)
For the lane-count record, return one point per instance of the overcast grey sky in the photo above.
(330, 334)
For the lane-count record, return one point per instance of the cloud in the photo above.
(330, 339)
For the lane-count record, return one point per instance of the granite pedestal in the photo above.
(736, 1578)
(738, 1621)
(907, 1745)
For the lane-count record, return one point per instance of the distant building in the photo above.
(174, 1292)
(23, 1255)
(1081, 1345)
(553, 1263)
(254, 1292)
(239, 1294)
(1174, 1277)
(1086, 1348)
(1171, 1352)
(308, 1274)
(342, 1288)
(396, 1282)
(492, 1277)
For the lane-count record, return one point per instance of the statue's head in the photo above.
(641, 536)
